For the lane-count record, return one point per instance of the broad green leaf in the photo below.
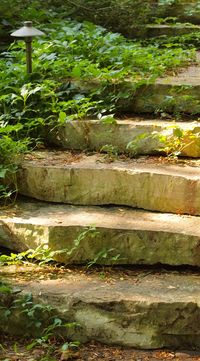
(62, 117)
(76, 72)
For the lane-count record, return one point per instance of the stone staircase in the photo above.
(139, 212)
(142, 213)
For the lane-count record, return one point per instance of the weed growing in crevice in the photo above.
(39, 321)
(44, 255)
(174, 141)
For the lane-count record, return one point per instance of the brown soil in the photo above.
(15, 350)
(62, 158)
(109, 274)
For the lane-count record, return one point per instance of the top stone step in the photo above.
(171, 94)
(147, 183)
(155, 30)
(182, 10)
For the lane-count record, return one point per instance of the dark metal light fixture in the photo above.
(27, 32)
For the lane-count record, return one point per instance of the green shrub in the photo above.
(116, 15)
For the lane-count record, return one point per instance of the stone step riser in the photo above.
(118, 236)
(144, 311)
(173, 189)
(144, 135)
(161, 97)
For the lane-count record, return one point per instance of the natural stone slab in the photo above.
(184, 10)
(154, 30)
(173, 94)
(177, 94)
(146, 183)
(136, 236)
(146, 309)
(170, 98)
(94, 134)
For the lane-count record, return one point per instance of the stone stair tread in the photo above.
(170, 94)
(144, 121)
(50, 214)
(137, 121)
(144, 309)
(150, 183)
(175, 25)
(189, 75)
(94, 134)
(137, 236)
(158, 165)
(156, 30)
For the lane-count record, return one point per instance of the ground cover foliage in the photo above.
(116, 15)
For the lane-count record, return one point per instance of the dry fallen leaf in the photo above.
(69, 355)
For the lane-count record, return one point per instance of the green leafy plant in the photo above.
(111, 151)
(38, 319)
(41, 254)
(175, 144)
(104, 255)
(174, 141)
(90, 232)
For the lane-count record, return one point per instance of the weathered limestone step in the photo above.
(135, 236)
(154, 30)
(146, 136)
(184, 10)
(88, 180)
(175, 94)
(171, 94)
(142, 309)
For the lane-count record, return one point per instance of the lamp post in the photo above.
(27, 32)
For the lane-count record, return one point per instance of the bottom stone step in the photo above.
(112, 235)
(142, 309)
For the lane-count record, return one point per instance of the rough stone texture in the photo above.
(91, 181)
(154, 30)
(94, 134)
(138, 237)
(170, 94)
(184, 10)
(178, 93)
(141, 310)
(166, 97)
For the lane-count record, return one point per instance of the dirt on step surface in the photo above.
(64, 158)
(189, 75)
(16, 350)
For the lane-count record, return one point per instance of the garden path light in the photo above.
(27, 32)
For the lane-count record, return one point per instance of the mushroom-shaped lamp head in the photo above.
(27, 31)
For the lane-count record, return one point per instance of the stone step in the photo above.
(146, 309)
(108, 235)
(172, 94)
(155, 30)
(177, 94)
(130, 136)
(150, 183)
(184, 10)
